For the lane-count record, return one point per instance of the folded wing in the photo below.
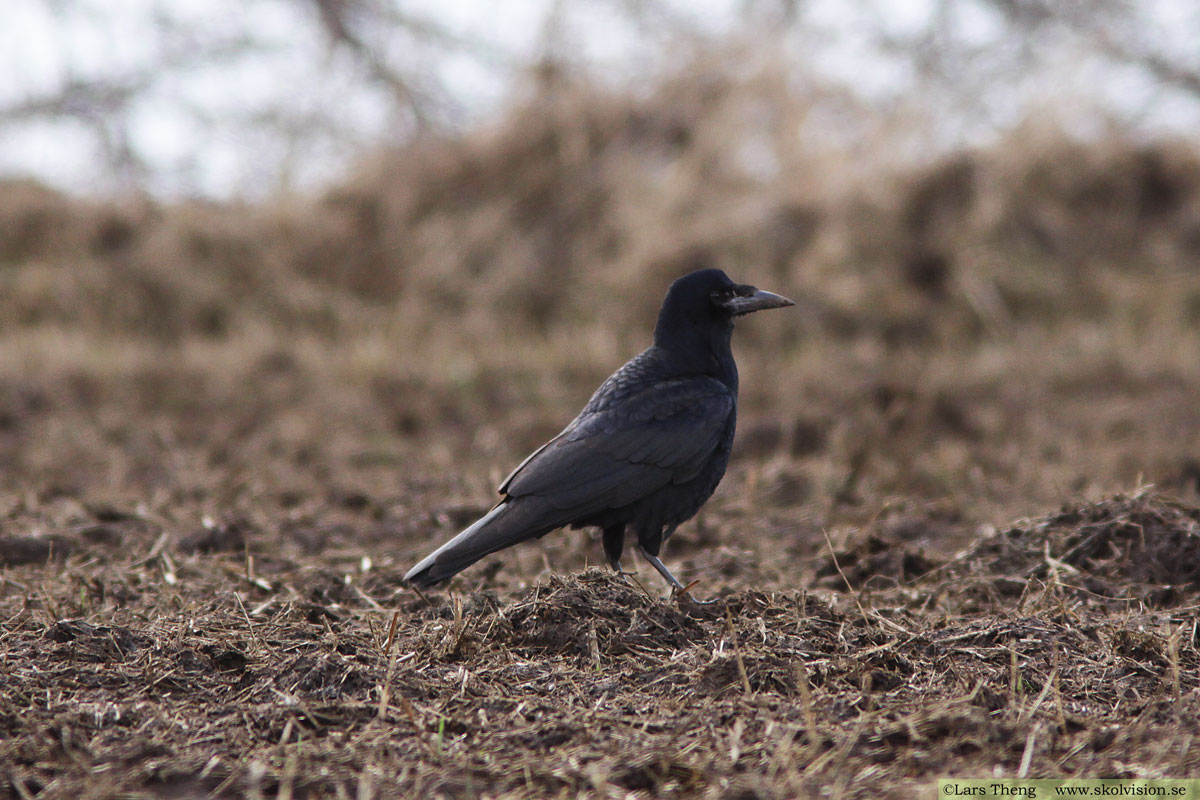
(618, 453)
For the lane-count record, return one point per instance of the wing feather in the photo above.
(616, 453)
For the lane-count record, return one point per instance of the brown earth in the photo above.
(225, 433)
(231, 662)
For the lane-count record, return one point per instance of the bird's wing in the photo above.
(622, 451)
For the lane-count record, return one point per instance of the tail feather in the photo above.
(510, 522)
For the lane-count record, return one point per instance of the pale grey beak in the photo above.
(758, 300)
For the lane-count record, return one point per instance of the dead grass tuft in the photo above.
(1142, 548)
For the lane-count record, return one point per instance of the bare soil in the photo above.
(230, 663)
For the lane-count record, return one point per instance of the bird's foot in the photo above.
(682, 594)
(622, 573)
(678, 591)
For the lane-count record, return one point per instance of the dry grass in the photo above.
(226, 432)
(200, 674)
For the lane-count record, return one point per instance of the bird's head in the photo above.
(707, 298)
(736, 299)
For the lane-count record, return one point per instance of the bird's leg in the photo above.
(662, 569)
(677, 589)
(680, 591)
(614, 543)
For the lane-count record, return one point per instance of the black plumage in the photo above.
(647, 450)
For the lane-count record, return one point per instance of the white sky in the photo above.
(206, 131)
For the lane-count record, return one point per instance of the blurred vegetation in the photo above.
(580, 206)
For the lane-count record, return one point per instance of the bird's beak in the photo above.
(757, 300)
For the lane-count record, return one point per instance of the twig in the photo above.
(737, 653)
(1027, 756)
(250, 625)
(849, 588)
(1037, 703)
(1173, 658)
(288, 781)
(386, 690)
(806, 705)
(1013, 675)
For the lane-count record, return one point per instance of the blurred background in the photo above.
(192, 99)
(422, 232)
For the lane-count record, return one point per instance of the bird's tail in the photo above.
(510, 522)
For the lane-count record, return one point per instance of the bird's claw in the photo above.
(622, 573)
(678, 590)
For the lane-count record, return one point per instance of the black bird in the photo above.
(647, 450)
